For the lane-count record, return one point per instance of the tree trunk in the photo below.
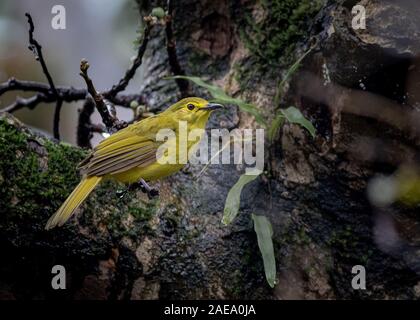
(314, 193)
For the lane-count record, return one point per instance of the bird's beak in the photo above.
(212, 106)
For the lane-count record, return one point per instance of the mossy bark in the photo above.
(176, 246)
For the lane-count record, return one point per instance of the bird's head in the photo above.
(195, 111)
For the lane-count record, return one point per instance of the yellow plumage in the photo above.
(78, 195)
(130, 154)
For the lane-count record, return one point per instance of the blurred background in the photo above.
(105, 37)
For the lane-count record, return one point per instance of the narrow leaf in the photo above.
(233, 199)
(289, 73)
(264, 231)
(293, 115)
(275, 126)
(220, 96)
(251, 109)
(294, 67)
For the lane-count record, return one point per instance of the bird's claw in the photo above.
(153, 193)
(145, 188)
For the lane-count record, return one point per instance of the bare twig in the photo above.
(97, 127)
(129, 74)
(29, 103)
(84, 132)
(56, 121)
(48, 93)
(36, 48)
(13, 84)
(85, 128)
(176, 69)
(111, 123)
(126, 99)
(68, 94)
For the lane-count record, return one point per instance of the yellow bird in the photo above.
(130, 155)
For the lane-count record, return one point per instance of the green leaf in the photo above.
(289, 73)
(264, 231)
(293, 115)
(233, 199)
(221, 97)
(134, 104)
(158, 12)
(249, 108)
(275, 126)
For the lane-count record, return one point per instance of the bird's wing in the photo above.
(124, 150)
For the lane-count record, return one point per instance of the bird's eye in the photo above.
(190, 106)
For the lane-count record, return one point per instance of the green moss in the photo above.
(345, 240)
(236, 286)
(37, 175)
(128, 216)
(271, 34)
(31, 183)
(247, 71)
(302, 237)
(173, 215)
(285, 22)
(141, 213)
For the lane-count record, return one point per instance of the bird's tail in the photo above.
(75, 199)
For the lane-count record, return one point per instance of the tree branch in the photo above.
(47, 93)
(176, 69)
(84, 132)
(36, 48)
(14, 84)
(68, 94)
(56, 121)
(112, 123)
(125, 100)
(29, 103)
(129, 74)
